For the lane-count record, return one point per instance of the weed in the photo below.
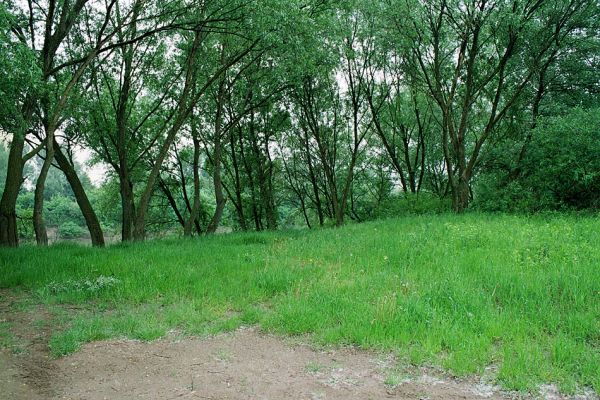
(314, 367)
(392, 380)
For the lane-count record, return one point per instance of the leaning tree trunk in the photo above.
(271, 209)
(91, 219)
(239, 204)
(39, 225)
(315, 188)
(183, 108)
(340, 210)
(248, 171)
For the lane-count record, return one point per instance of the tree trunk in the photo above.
(238, 184)
(304, 213)
(172, 202)
(217, 181)
(187, 230)
(127, 203)
(9, 232)
(271, 210)
(39, 225)
(219, 196)
(184, 107)
(9, 235)
(248, 169)
(91, 219)
(315, 186)
(409, 167)
(461, 194)
(342, 204)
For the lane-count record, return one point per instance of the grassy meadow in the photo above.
(520, 294)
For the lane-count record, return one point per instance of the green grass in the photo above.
(460, 292)
(392, 380)
(6, 338)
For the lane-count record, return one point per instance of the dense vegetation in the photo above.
(463, 292)
(127, 120)
(260, 114)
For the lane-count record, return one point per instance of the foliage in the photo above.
(25, 216)
(263, 114)
(70, 230)
(559, 171)
(61, 210)
(20, 73)
(412, 204)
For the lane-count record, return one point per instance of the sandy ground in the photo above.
(245, 364)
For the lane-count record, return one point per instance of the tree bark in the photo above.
(187, 230)
(313, 181)
(461, 194)
(127, 203)
(39, 225)
(239, 205)
(165, 189)
(9, 235)
(217, 180)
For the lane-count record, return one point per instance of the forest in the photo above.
(299, 199)
(136, 119)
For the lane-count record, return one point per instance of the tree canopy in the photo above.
(264, 114)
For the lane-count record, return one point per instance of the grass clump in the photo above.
(461, 292)
(6, 338)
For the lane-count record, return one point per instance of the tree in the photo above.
(475, 59)
(18, 85)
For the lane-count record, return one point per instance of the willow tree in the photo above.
(476, 59)
(66, 38)
(43, 29)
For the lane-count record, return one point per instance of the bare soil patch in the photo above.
(245, 364)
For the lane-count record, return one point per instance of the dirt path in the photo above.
(26, 370)
(242, 365)
(245, 364)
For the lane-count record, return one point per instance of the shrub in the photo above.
(70, 230)
(560, 170)
(412, 204)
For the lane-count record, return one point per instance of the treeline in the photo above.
(303, 112)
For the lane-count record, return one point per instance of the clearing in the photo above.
(472, 306)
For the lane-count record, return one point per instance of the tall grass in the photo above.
(463, 292)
